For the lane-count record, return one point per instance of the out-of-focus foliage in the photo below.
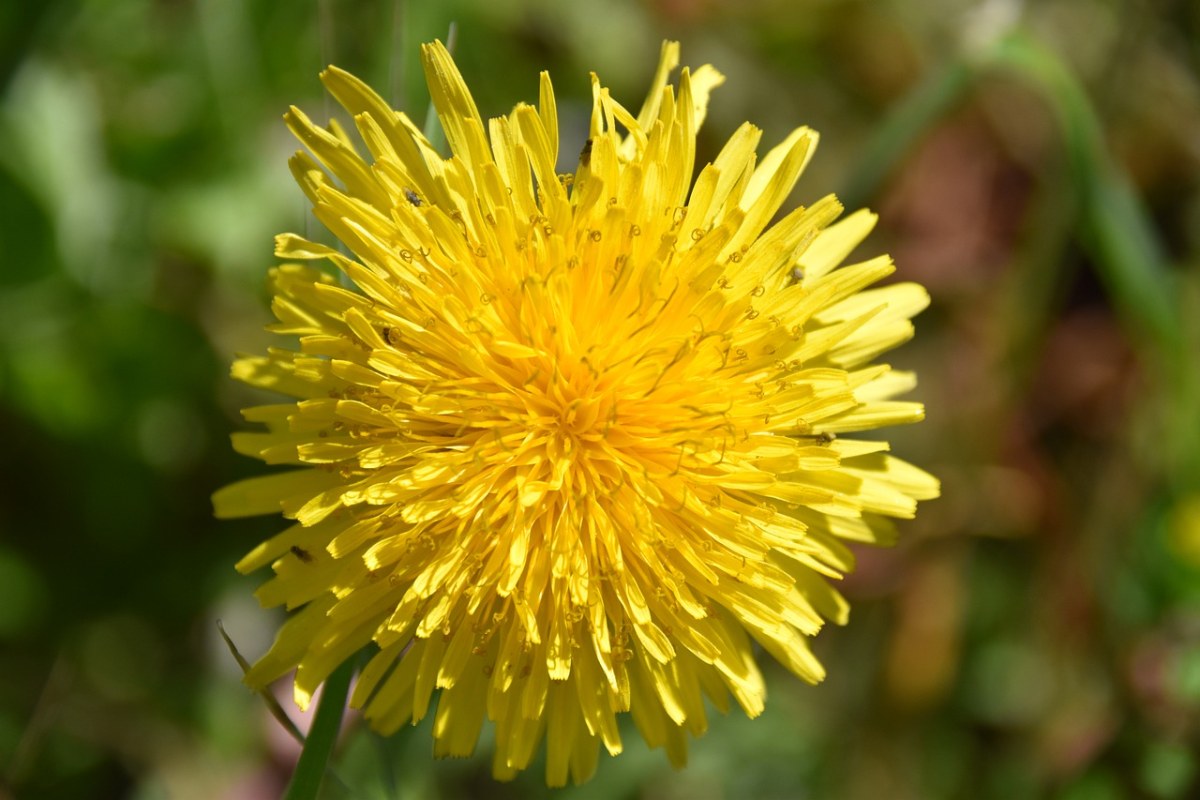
(1037, 631)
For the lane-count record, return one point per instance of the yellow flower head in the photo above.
(569, 445)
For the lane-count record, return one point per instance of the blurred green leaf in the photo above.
(1187, 675)
(1094, 786)
(30, 255)
(1167, 769)
(23, 594)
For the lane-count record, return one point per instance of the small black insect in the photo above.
(412, 197)
(795, 276)
(585, 155)
(302, 554)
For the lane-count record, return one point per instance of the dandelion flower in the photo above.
(571, 444)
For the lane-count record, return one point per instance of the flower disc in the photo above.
(570, 443)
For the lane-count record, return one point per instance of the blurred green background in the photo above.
(1037, 167)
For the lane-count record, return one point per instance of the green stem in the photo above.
(314, 758)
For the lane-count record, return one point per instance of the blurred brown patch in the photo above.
(1087, 376)
(956, 208)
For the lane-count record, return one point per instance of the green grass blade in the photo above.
(269, 699)
(314, 758)
(1114, 224)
